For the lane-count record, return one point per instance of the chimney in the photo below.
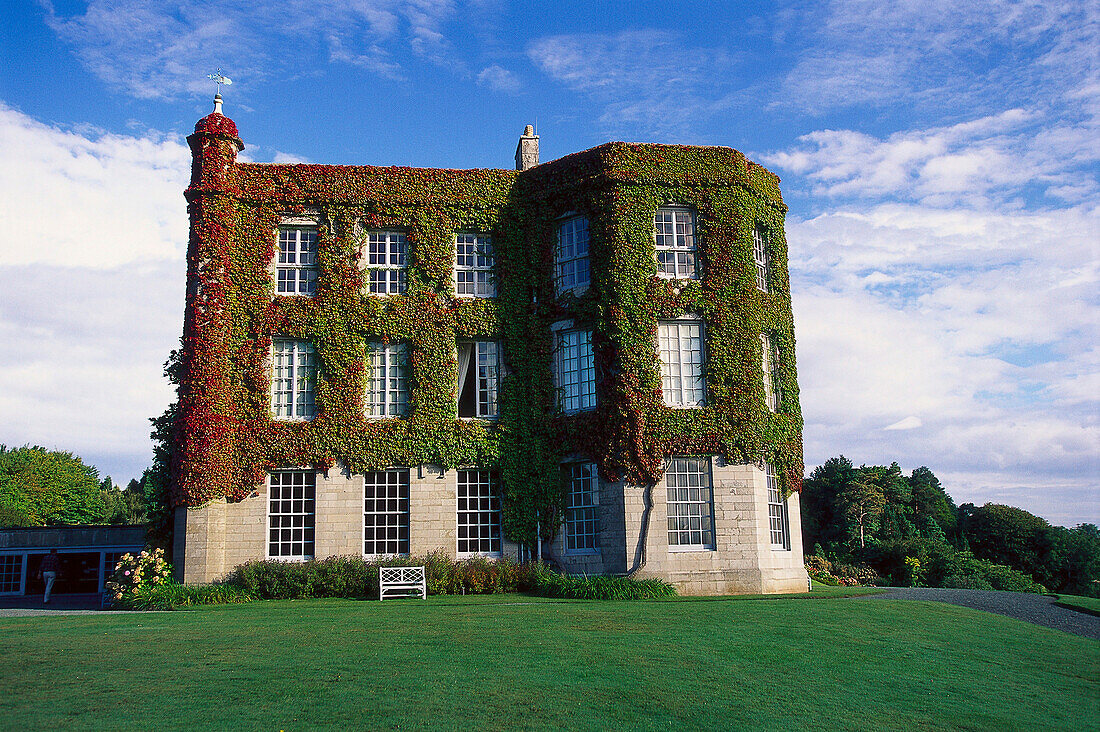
(527, 151)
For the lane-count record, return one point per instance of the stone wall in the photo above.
(633, 532)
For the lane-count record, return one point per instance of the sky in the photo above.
(941, 162)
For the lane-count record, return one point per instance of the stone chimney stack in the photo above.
(527, 151)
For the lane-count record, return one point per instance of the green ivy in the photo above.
(233, 316)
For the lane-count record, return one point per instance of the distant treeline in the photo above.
(910, 532)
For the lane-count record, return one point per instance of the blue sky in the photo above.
(940, 161)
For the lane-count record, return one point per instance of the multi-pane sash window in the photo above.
(296, 265)
(581, 507)
(386, 512)
(675, 230)
(387, 379)
(293, 377)
(291, 514)
(769, 360)
(11, 573)
(387, 256)
(690, 504)
(571, 257)
(681, 351)
(575, 370)
(478, 377)
(761, 257)
(778, 525)
(474, 266)
(478, 513)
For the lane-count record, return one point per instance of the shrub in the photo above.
(358, 577)
(172, 595)
(966, 582)
(135, 573)
(549, 583)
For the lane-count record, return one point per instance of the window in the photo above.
(11, 573)
(110, 561)
(675, 231)
(478, 376)
(761, 257)
(681, 350)
(571, 257)
(293, 376)
(386, 512)
(478, 513)
(581, 507)
(474, 266)
(769, 362)
(690, 509)
(296, 264)
(575, 370)
(291, 501)
(778, 526)
(387, 379)
(386, 259)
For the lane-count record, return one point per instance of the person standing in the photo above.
(48, 570)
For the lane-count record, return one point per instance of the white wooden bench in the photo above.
(402, 582)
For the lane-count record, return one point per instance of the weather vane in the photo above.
(218, 78)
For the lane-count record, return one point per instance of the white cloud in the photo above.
(993, 158)
(93, 271)
(89, 199)
(937, 54)
(160, 50)
(498, 78)
(646, 80)
(909, 423)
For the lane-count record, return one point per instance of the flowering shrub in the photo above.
(135, 573)
(829, 573)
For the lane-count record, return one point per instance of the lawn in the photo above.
(1089, 605)
(516, 662)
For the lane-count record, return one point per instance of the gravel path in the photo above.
(1037, 609)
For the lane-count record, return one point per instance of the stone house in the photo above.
(589, 360)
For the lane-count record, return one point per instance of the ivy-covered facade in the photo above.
(590, 360)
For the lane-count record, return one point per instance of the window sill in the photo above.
(684, 406)
(666, 276)
(495, 418)
(680, 549)
(474, 555)
(582, 553)
(293, 419)
(570, 412)
(780, 548)
(474, 297)
(290, 559)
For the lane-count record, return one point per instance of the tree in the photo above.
(822, 515)
(1009, 535)
(123, 505)
(40, 487)
(862, 501)
(930, 502)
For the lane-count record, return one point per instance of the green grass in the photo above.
(516, 662)
(1090, 605)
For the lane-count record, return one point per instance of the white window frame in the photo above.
(761, 257)
(474, 262)
(307, 523)
(769, 362)
(572, 267)
(16, 575)
(296, 269)
(683, 367)
(386, 260)
(582, 508)
(387, 393)
(293, 380)
(675, 243)
(779, 528)
(482, 517)
(387, 510)
(574, 369)
(487, 371)
(690, 514)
